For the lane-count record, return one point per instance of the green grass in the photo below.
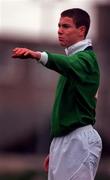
(23, 176)
(30, 175)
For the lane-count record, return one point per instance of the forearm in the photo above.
(24, 53)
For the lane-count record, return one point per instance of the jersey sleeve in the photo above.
(77, 66)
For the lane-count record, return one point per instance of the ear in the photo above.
(82, 30)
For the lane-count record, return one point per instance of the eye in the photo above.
(59, 25)
(66, 26)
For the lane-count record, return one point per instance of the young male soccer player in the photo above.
(76, 146)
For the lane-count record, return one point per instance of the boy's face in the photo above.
(68, 33)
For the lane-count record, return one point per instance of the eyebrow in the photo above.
(64, 25)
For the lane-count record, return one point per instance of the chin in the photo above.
(63, 45)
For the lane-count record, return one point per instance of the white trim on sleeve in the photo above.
(44, 58)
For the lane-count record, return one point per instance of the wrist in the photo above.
(37, 55)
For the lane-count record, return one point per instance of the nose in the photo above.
(60, 31)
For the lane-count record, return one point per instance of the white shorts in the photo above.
(75, 156)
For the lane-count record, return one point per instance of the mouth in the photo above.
(60, 39)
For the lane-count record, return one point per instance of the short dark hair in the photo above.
(80, 17)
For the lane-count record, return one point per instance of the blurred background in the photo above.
(27, 88)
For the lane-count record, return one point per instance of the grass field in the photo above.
(38, 176)
(17, 167)
(24, 176)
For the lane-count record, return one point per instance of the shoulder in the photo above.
(86, 54)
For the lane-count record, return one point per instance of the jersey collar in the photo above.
(79, 46)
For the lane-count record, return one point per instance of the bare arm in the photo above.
(24, 53)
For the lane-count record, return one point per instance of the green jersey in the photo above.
(75, 100)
